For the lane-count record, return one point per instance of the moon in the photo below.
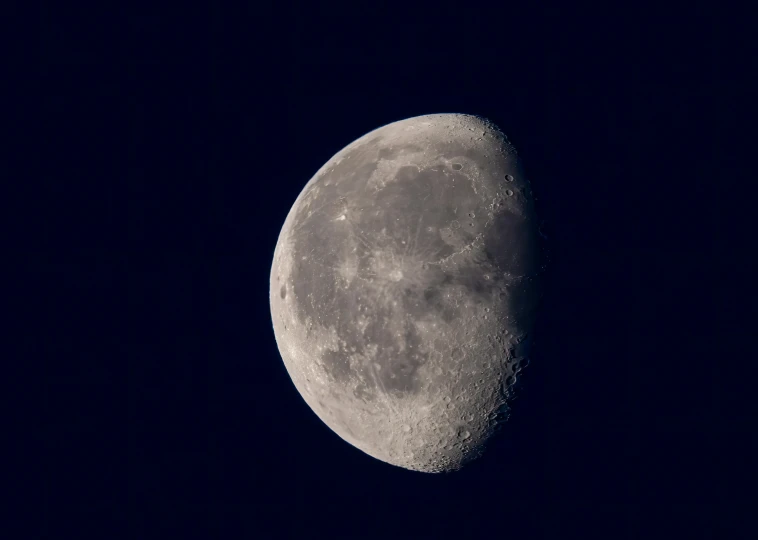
(404, 288)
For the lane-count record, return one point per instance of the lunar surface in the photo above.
(404, 287)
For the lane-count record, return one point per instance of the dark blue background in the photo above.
(177, 143)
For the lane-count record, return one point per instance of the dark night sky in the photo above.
(179, 141)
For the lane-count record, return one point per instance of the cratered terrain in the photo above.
(404, 288)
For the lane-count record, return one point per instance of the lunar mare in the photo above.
(404, 286)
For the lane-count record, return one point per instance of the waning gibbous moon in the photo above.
(404, 287)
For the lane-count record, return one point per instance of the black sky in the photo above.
(175, 144)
